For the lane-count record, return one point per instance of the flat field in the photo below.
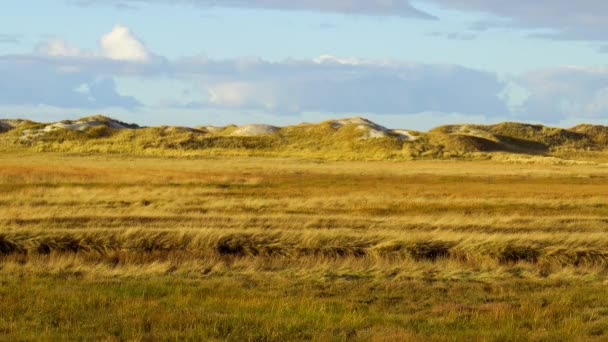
(252, 249)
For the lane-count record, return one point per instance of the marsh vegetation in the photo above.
(149, 248)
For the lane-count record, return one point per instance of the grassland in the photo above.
(356, 139)
(111, 247)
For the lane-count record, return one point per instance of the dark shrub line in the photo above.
(276, 245)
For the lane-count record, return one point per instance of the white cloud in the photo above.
(344, 85)
(242, 94)
(327, 84)
(57, 47)
(565, 92)
(64, 76)
(332, 59)
(121, 45)
(118, 45)
(38, 81)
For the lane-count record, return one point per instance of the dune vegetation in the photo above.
(343, 139)
(135, 247)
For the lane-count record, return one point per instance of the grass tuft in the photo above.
(9, 247)
(512, 253)
(429, 249)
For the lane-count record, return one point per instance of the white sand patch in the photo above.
(404, 135)
(370, 129)
(372, 132)
(76, 126)
(30, 134)
(84, 125)
(80, 125)
(212, 129)
(470, 131)
(117, 125)
(360, 122)
(253, 130)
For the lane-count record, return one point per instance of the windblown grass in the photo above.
(134, 248)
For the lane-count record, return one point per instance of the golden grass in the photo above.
(329, 140)
(288, 249)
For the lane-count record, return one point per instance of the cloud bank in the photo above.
(330, 84)
(58, 74)
(64, 76)
(566, 92)
(400, 8)
(562, 19)
(37, 81)
(566, 19)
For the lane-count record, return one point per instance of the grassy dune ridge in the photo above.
(341, 139)
(267, 249)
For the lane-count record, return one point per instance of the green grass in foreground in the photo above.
(263, 307)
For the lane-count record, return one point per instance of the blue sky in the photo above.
(410, 64)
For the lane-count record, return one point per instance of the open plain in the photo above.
(114, 247)
(304, 170)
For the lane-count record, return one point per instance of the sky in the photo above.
(404, 64)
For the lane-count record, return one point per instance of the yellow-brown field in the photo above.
(133, 248)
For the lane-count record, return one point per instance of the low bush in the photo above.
(512, 253)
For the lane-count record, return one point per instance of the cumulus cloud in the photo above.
(118, 44)
(60, 75)
(65, 76)
(401, 8)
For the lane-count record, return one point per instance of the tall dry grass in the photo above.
(270, 249)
